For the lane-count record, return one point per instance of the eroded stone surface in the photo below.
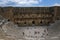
(10, 31)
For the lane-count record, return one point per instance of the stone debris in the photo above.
(10, 31)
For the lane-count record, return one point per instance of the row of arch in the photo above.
(34, 23)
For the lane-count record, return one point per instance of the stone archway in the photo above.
(33, 22)
(8, 19)
(40, 22)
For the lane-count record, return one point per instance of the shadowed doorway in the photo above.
(33, 22)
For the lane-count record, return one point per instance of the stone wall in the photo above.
(31, 15)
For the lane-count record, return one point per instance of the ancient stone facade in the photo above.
(24, 16)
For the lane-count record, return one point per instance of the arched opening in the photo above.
(48, 22)
(57, 18)
(17, 23)
(8, 19)
(33, 22)
(41, 22)
(24, 22)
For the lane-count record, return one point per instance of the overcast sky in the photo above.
(29, 3)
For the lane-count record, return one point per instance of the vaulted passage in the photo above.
(41, 22)
(24, 22)
(33, 22)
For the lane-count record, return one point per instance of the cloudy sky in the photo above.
(29, 3)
